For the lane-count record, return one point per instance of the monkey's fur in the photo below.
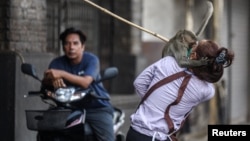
(181, 44)
(180, 47)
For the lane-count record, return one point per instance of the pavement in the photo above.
(128, 103)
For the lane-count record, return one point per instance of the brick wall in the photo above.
(23, 25)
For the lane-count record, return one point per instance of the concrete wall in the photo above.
(23, 84)
(7, 85)
(239, 41)
(14, 86)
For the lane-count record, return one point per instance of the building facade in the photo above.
(30, 30)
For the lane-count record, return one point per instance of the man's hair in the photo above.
(72, 30)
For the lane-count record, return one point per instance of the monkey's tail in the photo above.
(206, 19)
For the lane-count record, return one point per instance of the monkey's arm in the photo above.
(185, 62)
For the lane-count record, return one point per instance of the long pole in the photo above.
(126, 21)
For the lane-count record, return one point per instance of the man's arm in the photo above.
(55, 78)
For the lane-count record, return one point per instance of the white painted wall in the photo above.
(159, 17)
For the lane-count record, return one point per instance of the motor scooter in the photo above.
(64, 120)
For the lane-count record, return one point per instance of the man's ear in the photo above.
(83, 47)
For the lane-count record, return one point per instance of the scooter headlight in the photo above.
(64, 94)
(67, 95)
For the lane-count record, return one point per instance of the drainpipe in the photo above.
(229, 39)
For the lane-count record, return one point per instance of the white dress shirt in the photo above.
(149, 117)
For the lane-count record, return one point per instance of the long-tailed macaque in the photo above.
(180, 45)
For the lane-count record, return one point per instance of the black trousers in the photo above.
(133, 135)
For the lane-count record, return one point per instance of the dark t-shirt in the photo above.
(88, 66)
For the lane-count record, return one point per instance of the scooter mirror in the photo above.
(29, 70)
(109, 73)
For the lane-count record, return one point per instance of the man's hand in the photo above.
(53, 77)
(58, 83)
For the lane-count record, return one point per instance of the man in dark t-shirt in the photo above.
(78, 68)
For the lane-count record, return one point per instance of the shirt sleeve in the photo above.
(143, 80)
(93, 67)
(209, 93)
(154, 73)
(56, 63)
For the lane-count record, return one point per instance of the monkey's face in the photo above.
(193, 55)
(190, 47)
(188, 38)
